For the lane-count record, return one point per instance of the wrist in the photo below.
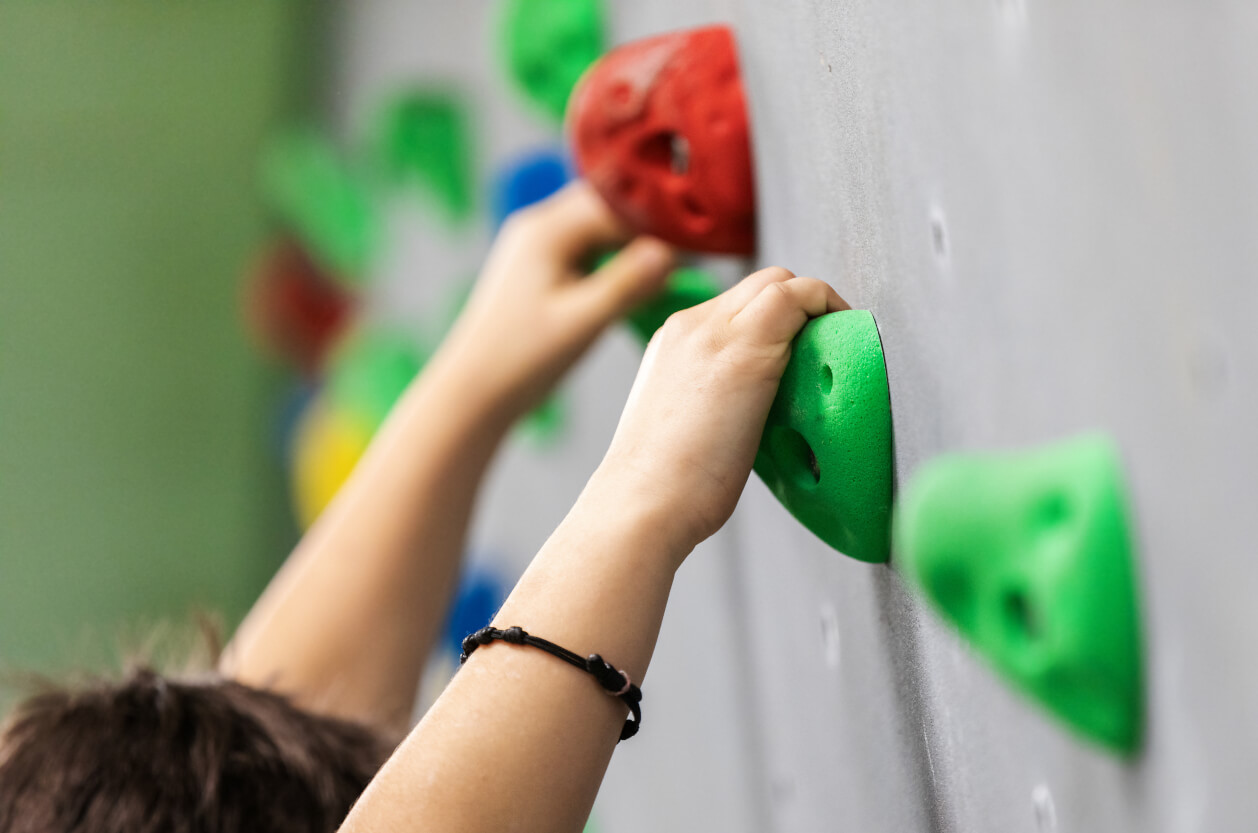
(458, 380)
(486, 377)
(633, 508)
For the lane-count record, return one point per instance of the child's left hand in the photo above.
(535, 310)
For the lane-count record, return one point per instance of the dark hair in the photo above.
(155, 755)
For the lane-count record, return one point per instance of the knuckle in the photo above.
(675, 326)
(778, 294)
(514, 227)
(779, 273)
(523, 222)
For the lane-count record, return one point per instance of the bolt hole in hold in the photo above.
(627, 186)
(826, 379)
(666, 150)
(695, 216)
(621, 93)
(1052, 511)
(797, 457)
(1020, 619)
(656, 151)
(680, 155)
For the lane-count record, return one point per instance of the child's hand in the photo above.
(688, 437)
(534, 310)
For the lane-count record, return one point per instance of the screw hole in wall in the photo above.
(830, 640)
(1045, 811)
(938, 234)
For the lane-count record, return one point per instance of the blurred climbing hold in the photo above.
(546, 46)
(368, 372)
(659, 127)
(291, 407)
(481, 592)
(685, 287)
(294, 310)
(546, 423)
(526, 180)
(327, 444)
(826, 449)
(422, 140)
(318, 198)
(1029, 555)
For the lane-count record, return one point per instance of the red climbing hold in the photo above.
(293, 308)
(660, 129)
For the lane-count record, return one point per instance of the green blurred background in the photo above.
(138, 477)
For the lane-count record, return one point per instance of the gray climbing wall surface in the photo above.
(1050, 210)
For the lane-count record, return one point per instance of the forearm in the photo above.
(519, 739)
(345, 626)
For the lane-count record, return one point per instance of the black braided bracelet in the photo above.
(615, 683)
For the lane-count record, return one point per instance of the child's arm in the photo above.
(520, 740)
(346, 625)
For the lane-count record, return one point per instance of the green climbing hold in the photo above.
(369, 371)
(546, 423)
(313, 192)
(422, 139)
(826, 449)
(548, 44)
(685, 288)
(1030, 556)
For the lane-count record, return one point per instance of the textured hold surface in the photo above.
(326, 446)
(1029, 555)
(548, 44)
(423, 140)
(685, 288)
(526, 180)
(316, 195)
(659, 127)
(826, 449)
(369, 370)
(292, 307)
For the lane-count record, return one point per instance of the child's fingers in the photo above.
(781, 308)
(744, 292)
(574, 222)
(636, 273)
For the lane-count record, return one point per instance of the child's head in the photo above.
(151, 754)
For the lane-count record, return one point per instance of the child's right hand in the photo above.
(535, 311)
(690, 429)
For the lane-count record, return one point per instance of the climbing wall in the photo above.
(1048, 208)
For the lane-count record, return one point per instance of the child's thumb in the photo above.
(633, 275)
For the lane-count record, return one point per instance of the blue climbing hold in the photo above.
(527, 179)
(481, 593)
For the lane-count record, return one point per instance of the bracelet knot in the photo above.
(614, 682)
